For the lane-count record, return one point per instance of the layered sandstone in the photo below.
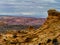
(47, 34)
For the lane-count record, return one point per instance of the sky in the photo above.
(33, 8)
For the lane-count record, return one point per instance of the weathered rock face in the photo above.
(51, 28)
(47, 34)
(53, 17)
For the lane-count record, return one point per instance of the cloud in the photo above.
(27, 13)
(6, 13)
(46, 1)
(40, 7)
(51, 1)
(21, 13)
(17, 13)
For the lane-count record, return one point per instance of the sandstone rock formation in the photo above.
(47, 34)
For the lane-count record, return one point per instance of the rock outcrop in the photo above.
(47, 34)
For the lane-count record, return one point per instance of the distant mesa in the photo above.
(2, 23)
(13, 20)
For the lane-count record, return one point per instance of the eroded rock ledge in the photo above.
(47, 34)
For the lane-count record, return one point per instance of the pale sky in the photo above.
(34, 8)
